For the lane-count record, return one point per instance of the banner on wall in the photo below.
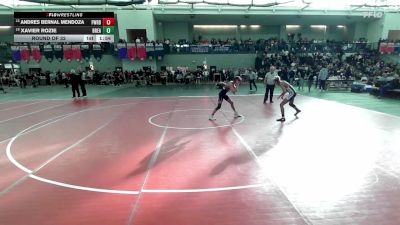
(48, 52)
(67, 52)
(122, 51)
(58, 52)
(397, 47)
(131, 51)
(222, 48)
(159, 51)
(76, 52)
(85, 51)
(150, 50)
(25, 54)
(16, 53)
(141, 51)
(199, 49)
(36, 55)
(389, 48)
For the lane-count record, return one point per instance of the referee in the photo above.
(270, 84)
(75, 79)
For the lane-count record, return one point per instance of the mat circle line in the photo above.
(112, 191)
(150, 120)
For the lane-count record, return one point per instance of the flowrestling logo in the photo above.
(372, 14)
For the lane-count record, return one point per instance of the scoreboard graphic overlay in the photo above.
(63, 27)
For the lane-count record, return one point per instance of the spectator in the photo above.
(252, 79)
(392, 84)
(322, 77)
(65, 79)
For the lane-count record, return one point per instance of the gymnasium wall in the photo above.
(360, 30)
(374, 30)
(6, 35)
(174, 31)
(240, 33)
(331, 33)
(107, 63)
(136, 19)
(144, 19)
(264, 32)
(219, 60)
(380, 28)
(336, 33)
(217, 33)
(391, 22)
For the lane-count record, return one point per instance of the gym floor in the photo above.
(115, 158)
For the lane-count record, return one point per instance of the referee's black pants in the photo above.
(269, 90)
(83, 88)
(75, 89)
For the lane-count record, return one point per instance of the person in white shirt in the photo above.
(322, 77)
(64, 77)
(82, 82)
(269, 81)
(205, 74)
(90, 75)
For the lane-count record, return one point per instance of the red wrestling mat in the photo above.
(150, 161)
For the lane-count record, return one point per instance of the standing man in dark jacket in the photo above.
(75, 79)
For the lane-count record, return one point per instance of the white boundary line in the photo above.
(150, 120)
(111, 191)
(203, 190)
(21, 106)
(27, 114)
(37, 124)
(167, 190)
(1, 103)
(211, 96)
(247, 95)
(280, 189)
(15, 101)
(73, 145)
(30, 173)
(88, 109)
(256, 159)
(29, 129)
(150, 97)
(150, 165)
(126, 192)
(207, 96)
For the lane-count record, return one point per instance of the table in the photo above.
(338, 84)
